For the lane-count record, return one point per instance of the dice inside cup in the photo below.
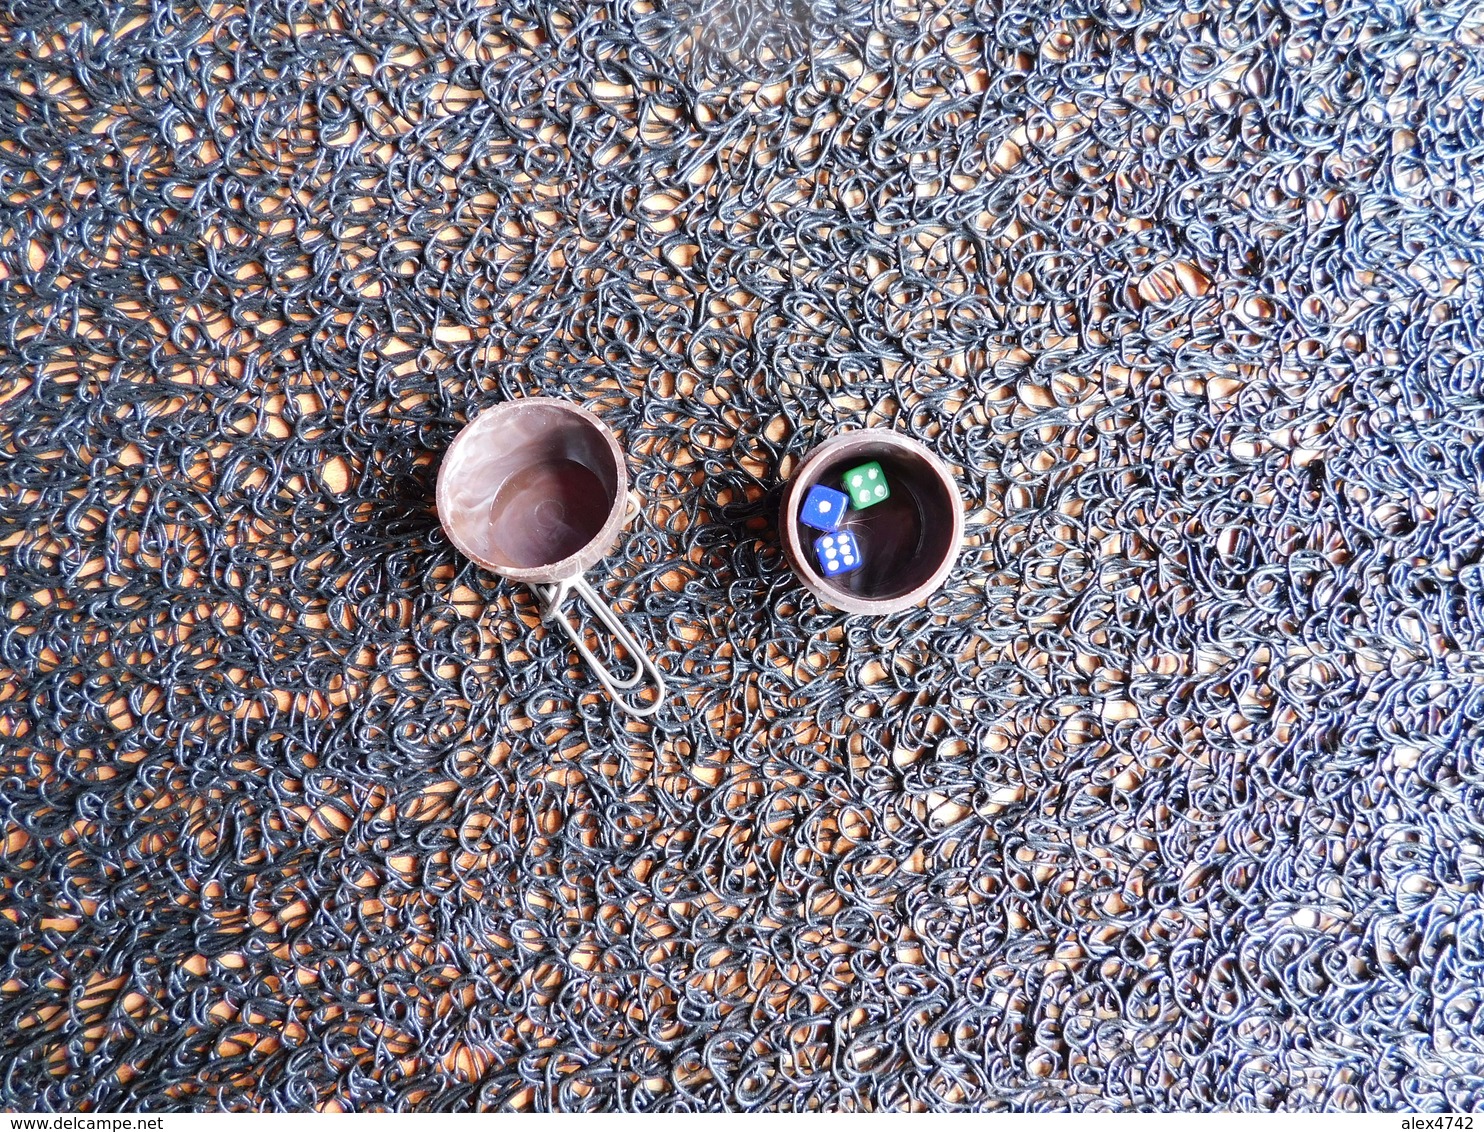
(867, 485)
(838, 553)
(824, 508)
(904, 542)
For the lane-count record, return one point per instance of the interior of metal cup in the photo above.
(905, 539)
(529, 484)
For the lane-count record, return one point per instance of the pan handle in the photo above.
(552, 597)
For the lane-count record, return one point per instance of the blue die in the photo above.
(824, 508)
(837, 553)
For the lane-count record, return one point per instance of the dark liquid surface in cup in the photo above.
(548, 511)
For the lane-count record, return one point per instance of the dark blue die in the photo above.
(837, 553)
(824, 508)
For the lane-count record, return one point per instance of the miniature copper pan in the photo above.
(536, 490)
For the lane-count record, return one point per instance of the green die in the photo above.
(866, 484)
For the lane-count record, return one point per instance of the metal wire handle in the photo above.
(552, 597)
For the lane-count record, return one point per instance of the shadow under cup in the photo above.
(908, 542)
(534, 490)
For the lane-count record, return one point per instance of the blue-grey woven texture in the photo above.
(1172, 797)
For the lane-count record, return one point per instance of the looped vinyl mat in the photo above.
(1173, 796)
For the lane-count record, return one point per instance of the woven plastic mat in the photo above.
(1173, 797)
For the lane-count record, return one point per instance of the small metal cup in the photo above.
(536, 490)
(909, 541)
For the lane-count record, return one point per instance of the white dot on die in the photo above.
(849, 560)
(829, 542)
(824, 504)
(872, 473)
(880, 490)
(855, 481)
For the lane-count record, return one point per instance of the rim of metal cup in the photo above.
(591, 552)
(863, 442)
